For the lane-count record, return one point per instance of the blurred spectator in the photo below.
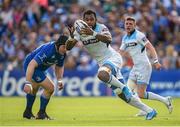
(84, 63)
(70, 62)
(25, 24)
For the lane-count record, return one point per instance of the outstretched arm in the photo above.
(71, 42)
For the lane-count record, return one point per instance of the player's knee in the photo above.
(103, 76)
(140, 94)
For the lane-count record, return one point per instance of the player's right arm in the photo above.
(30, 70)
(71, 42)
(104, 35)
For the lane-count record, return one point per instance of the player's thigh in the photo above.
(47, 84)
(114, 64)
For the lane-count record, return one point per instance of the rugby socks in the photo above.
(136, 102)
(43, 103)
(30, 101)
(115, 82)
(153, 96)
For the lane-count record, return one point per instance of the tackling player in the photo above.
(35, 65)
(98, 45)
(135, 44)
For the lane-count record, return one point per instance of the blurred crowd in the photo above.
(26, 24)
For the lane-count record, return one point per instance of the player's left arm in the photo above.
(147, 44)
(153, 53)
(59, 71)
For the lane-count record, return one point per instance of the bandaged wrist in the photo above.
(27, 82)
(60, 81)
(155, 61)
(94, 33)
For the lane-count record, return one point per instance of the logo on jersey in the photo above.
(144, 39)
(53, 57)
(90, 41)
(38, 79)
(42, 57)
(131, 44)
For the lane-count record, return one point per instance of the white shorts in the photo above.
(141, 74)
(116, 62)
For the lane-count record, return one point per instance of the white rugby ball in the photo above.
(78, 25)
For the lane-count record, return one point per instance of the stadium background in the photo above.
(25, 24)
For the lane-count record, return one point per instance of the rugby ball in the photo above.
(78, 25)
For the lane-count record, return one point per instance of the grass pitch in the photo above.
(86, 111)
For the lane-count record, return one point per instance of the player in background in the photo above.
(35, 65)
(97, 42)
(135, 44)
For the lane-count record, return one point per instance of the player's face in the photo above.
(129, 26)
(90, 20)
(62, 49)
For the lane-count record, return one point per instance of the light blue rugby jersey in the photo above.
(97, 49)
(45, 56)
(134, 44)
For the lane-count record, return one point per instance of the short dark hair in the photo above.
(89, 12)
(61, 40)
(130, 18)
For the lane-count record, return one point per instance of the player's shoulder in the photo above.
(101, 27)
(49, 47)
(139, 34)
(100, 24)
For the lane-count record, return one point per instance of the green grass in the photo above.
(86, 111)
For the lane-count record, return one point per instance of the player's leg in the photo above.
(137, 103)
(141, 90)
(105, 74)
(30, 90)
(142, 82)
(132, 85)
(48, 86)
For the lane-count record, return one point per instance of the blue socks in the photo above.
(43, 103)
(30, 101)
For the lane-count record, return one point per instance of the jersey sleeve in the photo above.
(105, 30)
(142, 39)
